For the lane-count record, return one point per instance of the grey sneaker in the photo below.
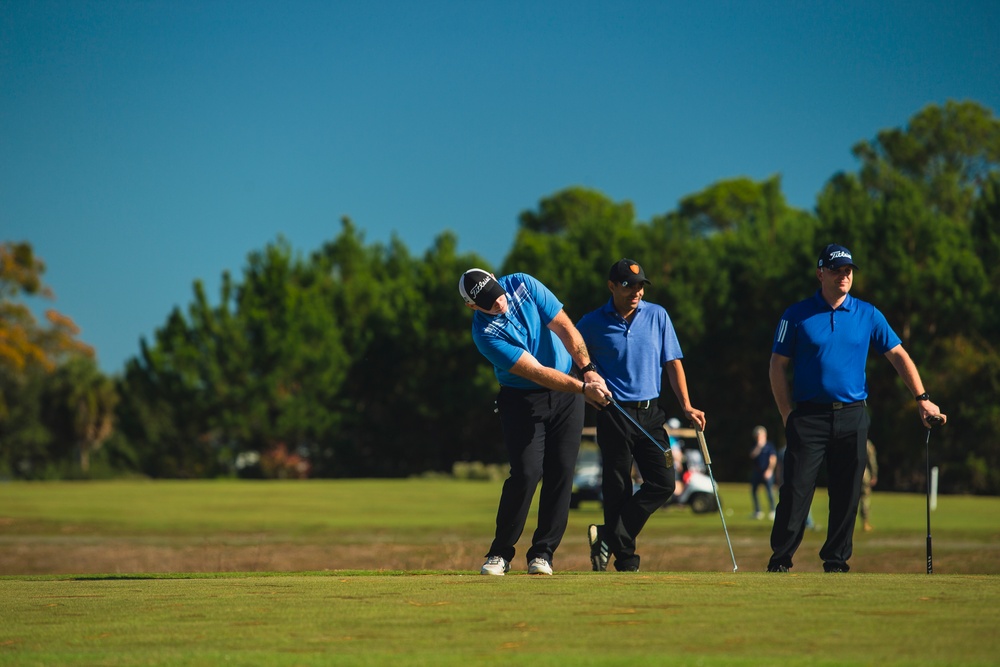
(599, 552)
(495, 565)
(539, 566)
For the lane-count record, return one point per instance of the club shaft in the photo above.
(715, 488)
(638, 426)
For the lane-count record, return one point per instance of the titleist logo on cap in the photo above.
(835, 256)
(478, 287)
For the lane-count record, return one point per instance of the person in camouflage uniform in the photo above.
(869, 480)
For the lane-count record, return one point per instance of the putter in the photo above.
(933, 421)
(715, 487)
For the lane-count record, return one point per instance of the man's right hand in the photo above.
(595, 392)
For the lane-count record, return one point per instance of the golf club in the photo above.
(933, 421)
(715, 487)
(636, 424)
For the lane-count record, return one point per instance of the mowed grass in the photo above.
(685, 607)
(441, 619)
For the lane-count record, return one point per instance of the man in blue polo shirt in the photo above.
(522, 329)
(825, 340)
(631, 341)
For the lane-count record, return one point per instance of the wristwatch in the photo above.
(588, 367)
(923, 397)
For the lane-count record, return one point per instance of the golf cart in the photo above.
(587, 478)
(694, 487)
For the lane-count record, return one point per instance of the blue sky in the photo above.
(144, 145)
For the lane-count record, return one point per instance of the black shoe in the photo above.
(777, 568)
(599, 552)
(630, 564)
(833, 567)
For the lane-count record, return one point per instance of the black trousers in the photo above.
(816, 436)
(542, 431)
(621, 443)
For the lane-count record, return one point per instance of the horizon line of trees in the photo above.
(356, 360)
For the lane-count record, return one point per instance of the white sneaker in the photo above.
(770, 515)
(496, 565)
(539, 566)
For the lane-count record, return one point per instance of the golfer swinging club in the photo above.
(522, 329)
(825, 340)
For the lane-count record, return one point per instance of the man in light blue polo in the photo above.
(522, 329)
(631, 341)
(824, 340)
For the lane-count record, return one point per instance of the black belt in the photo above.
(638, 405)
(825, 407)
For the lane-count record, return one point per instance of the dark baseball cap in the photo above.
(479, 288)
(627, 272)
(835, 256)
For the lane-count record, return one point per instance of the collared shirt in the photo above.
(630, 355)
(829, 348)
(503, 338)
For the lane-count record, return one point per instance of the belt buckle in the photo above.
(644, 405)
(838, 406)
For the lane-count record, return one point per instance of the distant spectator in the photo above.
(765, 461)
(868, 480)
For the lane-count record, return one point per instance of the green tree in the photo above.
(356, 362)
(255, 373)
(416, 394)
(948, 151)
(79, 407)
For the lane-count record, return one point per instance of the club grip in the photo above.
(935, 420)
(704, 446)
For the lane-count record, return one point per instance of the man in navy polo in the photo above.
(631, 341)
(825, 341)
(521, 328)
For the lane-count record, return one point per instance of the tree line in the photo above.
(355, 360)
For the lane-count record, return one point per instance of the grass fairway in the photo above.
(449, 619)
(385, 572)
